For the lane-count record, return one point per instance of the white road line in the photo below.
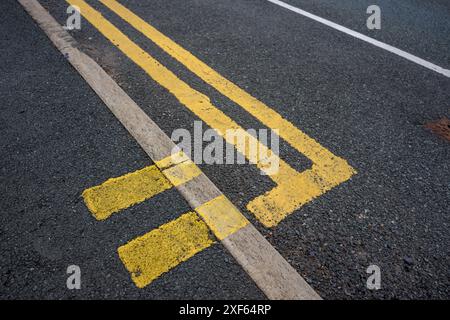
(360, 36)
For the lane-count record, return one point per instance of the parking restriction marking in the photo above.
(293, 189)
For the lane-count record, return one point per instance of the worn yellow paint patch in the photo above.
(162, 249)
(173, 159)
(119, 193)
(222, 217)
(182, 172)
(328, 170)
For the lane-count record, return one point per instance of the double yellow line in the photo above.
(293, 189)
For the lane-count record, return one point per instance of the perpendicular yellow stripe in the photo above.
(162, 249)
(222, 217)
(119, 193)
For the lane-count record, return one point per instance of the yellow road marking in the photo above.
(172, 160)
(222, 217)
(296, 138)
(182, 172)
(192, 99)
(327, 170)
(119, 193)
(162, 249)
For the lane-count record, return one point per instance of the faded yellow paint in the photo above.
(119, 193)
(222, 217)
(173, 159)
(162, 249)
(327, 171)
(182, 172)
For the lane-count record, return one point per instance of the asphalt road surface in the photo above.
(362, 103)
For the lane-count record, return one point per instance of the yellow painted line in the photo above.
(296, 138)
(327, 170)
(222, 217)
(195, 101)
(192, 99)
(162, 249)
(119, 193)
